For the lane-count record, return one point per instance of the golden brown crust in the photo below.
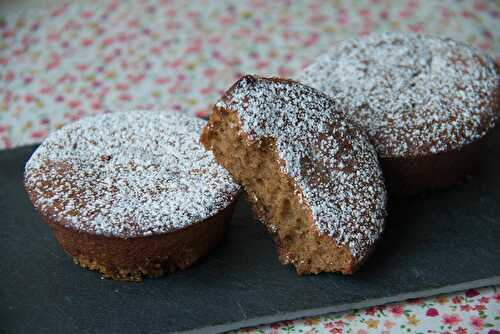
(409, 176)
(135, 258)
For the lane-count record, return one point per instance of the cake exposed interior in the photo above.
(273, 196)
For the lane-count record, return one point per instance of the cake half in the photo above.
(312, 177)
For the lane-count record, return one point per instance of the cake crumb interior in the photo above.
(256, 166)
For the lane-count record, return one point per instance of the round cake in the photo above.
(427, 103)
(131, 194)
(312, 177)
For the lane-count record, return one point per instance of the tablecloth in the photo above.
(62, 61)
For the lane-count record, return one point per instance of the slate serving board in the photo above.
(437, 243)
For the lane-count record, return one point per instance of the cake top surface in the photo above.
(128, 174)
(414, 94)
(334, 167)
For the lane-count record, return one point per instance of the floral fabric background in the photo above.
(473, 311)
(62, 61)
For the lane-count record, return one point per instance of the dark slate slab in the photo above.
(440, 243)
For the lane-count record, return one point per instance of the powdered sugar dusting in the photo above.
(330, 160)
(414, 94)
(128, 174)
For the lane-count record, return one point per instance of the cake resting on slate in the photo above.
(311, 175)
(131, 194)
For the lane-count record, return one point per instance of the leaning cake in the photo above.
(311, 176)
(131, 194)
(427, 103)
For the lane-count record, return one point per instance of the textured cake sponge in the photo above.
(311, 176)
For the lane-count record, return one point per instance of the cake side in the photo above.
(413, 175)
(134, 259)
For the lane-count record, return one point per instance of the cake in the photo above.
(131, 194)
(311, 176)
(427, 103)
